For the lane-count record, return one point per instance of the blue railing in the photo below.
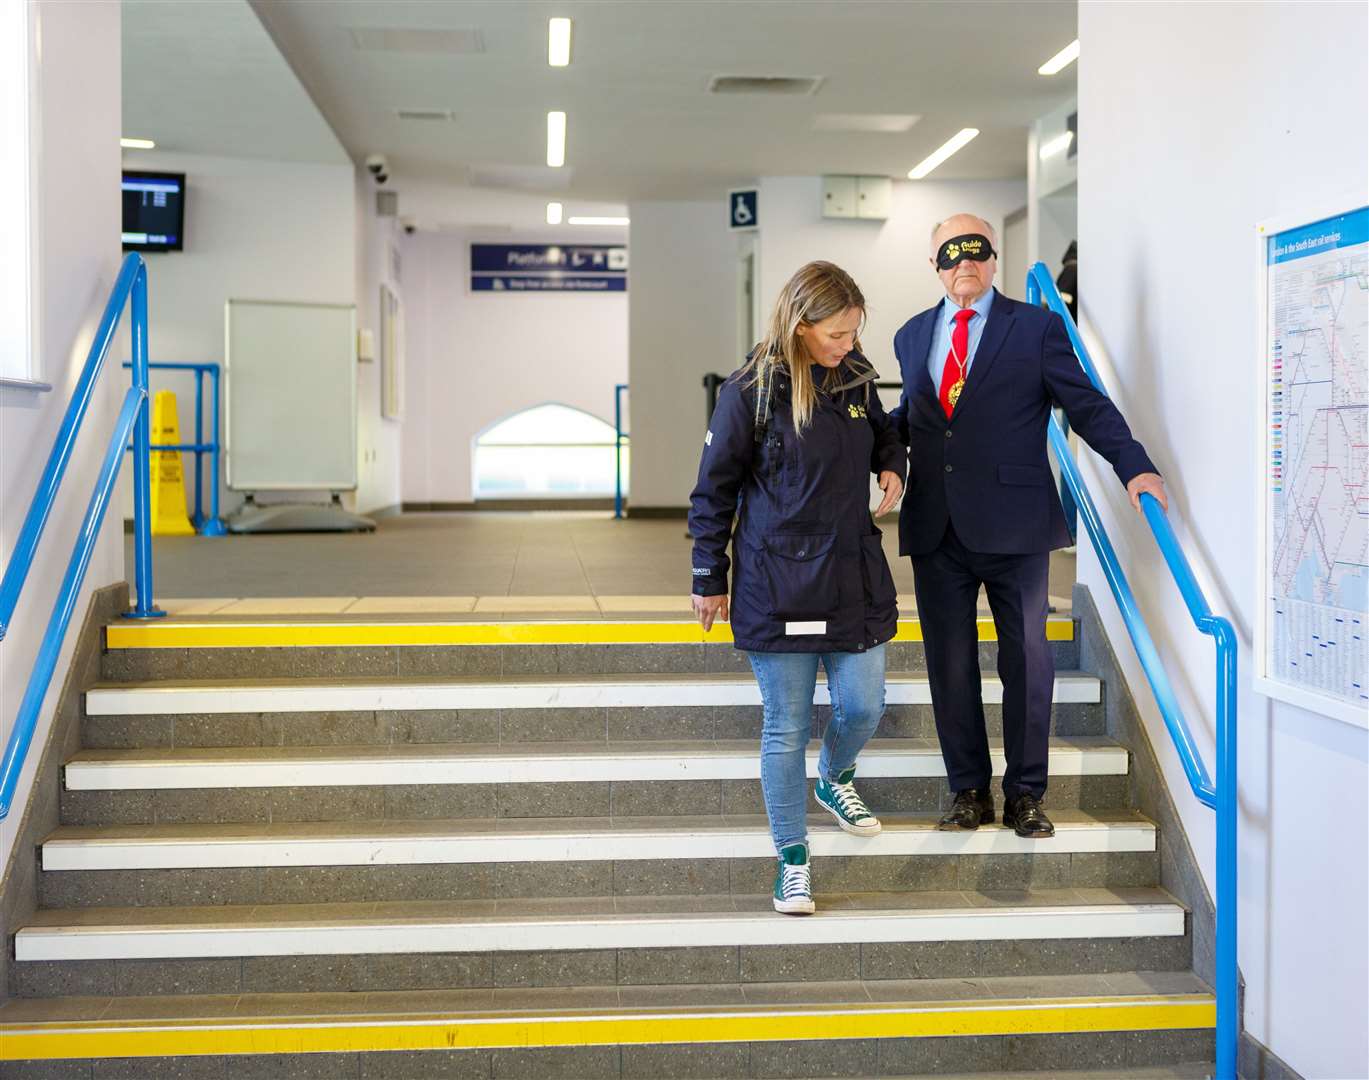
(131, 289)
(212, 525)
(1222, 795)
(619, 436)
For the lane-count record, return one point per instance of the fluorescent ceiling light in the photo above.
(1061, 60)
(599, 221)
(556, 139)
(882, 123)
(137, 144)
(554, 213)
(558, 42)
(1057, 145)
(949, 147)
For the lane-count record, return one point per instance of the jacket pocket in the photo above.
(1024, 475)
(802, 573)
(879, 581)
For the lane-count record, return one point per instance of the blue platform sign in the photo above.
(743, 209)
(548, 268)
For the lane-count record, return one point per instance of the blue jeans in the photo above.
(787, 682)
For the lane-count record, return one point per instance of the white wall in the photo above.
(254, 229)
(77, 85)
(684, 300)
(475, 358)
(1259, 109)
(682, 316)
(888, 259)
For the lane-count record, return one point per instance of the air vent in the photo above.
(764, 84)
(387, 203)
(405, 39)
(424, 114)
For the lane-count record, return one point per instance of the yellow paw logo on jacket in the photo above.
(857, 412)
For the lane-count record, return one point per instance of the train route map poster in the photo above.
(1311, 646)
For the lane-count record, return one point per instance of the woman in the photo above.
(790, 448)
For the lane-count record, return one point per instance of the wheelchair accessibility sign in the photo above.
(742, 210)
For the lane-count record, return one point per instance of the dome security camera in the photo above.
(379, 167)
(409, 225)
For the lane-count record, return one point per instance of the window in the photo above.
(17, 345)
(548, 451)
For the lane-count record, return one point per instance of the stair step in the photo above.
(184, 697)
(371, 766)
(173, 633)
(392, 843)
(662, 1021)
(559, 924)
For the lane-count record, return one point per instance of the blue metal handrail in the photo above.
(130, 288)
(213, 524)
(1222, 795)
(619, 435)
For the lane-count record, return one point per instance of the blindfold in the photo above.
(971, 246)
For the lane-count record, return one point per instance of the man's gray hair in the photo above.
(988, 228)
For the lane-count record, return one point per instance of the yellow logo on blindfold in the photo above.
(952, 251)
(970, 247)
(857, 412)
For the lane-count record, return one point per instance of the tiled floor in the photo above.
(485, 563)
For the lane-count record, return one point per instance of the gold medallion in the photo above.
(953, 394)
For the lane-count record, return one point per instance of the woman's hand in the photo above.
(892, 485)
(708, 608)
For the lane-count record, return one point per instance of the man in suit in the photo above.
(981, 373)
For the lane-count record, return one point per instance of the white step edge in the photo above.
(308, 696)
(126, 770)
(318, 937)
(186, 848)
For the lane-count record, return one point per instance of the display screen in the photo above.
(154, 211)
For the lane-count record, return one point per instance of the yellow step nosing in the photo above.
(227, 635)
(487, 1030)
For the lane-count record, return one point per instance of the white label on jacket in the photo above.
(793, 629)
(708, 439)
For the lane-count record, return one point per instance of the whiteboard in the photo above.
(290, 421)
(1312, 622)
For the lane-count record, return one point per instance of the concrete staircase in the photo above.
(380, 849)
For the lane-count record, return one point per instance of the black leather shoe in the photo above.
(972, 808)
(1025, 816)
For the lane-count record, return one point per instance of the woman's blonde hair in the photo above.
(817, 291)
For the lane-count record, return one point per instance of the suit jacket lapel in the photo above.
(922, 380)
(995, 334)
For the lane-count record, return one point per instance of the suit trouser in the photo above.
(947, 582)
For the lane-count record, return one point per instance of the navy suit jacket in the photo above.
(985, 470)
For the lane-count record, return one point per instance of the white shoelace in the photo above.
(796, 882)
(852, 805)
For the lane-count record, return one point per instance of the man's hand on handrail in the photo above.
(1147, 483)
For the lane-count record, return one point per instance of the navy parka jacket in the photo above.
(808, 569)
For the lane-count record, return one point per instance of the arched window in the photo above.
(548, 451)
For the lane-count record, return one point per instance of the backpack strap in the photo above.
(761, 418)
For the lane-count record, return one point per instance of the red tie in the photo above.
(957, 360)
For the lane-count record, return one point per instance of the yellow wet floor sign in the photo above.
(169, 516)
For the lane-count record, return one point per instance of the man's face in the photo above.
(968, 280)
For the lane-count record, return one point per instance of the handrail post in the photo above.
(198, 520)
(1227, 965)
(142, 457)
(618, 390)
(214, 526)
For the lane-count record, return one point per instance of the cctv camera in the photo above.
(409, 225)
(377, 164)
(381, 177)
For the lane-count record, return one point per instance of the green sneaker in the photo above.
(840, 798)
(793, 882)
